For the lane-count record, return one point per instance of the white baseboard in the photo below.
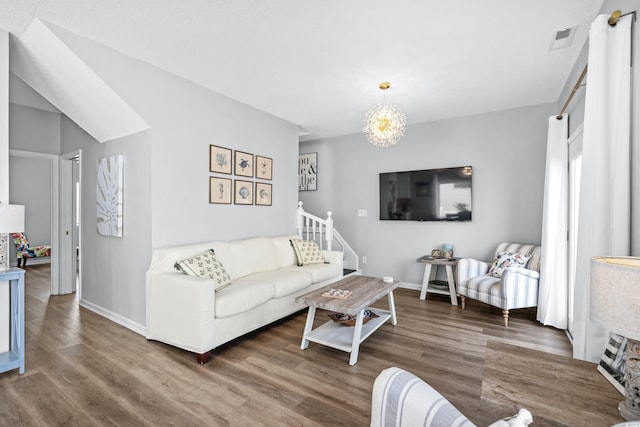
(114, 317)
(413, 286)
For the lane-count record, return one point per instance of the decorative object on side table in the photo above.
(615, 298)
(436, 253)
(11, 221)
(447, 250)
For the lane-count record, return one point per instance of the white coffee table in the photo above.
(366, 290)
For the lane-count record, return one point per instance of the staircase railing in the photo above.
(311, 227)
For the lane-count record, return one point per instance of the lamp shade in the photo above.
(615, 294)
(11, 218)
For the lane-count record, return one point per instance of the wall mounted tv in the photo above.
(426, 195)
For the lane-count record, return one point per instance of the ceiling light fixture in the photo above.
(384, 124)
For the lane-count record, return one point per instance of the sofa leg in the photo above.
(462, 301)
(505, 315)
(19, 262)
(204, 357)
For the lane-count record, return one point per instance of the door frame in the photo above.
(55, 211)
(67, 181)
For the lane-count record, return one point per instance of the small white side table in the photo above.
(430, 273)
(14, 358)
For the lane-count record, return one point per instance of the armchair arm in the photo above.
(519, 287)
(334, 257)
(180, 310)
(401, 399)
(468, 268)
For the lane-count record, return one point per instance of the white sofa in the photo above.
(187, 312)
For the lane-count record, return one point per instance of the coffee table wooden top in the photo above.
(366, 290)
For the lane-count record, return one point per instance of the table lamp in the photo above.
(615, 304)
(11, 221)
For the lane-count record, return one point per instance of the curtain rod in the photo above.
(613, 20)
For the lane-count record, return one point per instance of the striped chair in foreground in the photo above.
(400, 399)
(510, 282)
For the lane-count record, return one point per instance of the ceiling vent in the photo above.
(562, 38)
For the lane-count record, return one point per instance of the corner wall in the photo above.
(507, 151)
(167, 175)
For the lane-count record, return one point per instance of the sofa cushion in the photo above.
(205, 264)
(319, 272)
(285, 282)
(307, 252)
(504, 260)
(242, 295)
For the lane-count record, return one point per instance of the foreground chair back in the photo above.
(400, 399)
(510, 282)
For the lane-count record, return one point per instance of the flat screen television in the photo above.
(426, 195)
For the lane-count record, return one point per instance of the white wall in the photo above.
(35, 130)
(30, 186)
(507, 152)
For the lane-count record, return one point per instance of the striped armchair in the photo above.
(400, 399)
(514, 287)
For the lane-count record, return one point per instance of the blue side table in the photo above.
(14, 358)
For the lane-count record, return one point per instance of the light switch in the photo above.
(362, 212)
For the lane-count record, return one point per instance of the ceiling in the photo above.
(317, 63)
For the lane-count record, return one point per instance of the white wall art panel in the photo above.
(109, 196)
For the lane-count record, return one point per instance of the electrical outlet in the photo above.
(362, 212)
(364, 259)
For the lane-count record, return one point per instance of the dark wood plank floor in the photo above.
(82, 369)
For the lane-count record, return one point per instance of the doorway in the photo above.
(70, 224)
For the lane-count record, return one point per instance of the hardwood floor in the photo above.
(82, 369)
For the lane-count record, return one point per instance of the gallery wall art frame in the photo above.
(243, 192)
(264, 167)
(263, 194)
(308, 172)
(220, 190)
(613, 361)
(243, 164)
(109, 195)
(220, 159)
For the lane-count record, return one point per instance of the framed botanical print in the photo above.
(243, 164)
(264, 167)
(263, 194)
(243, 193)
(308, 172)
(220, 159)
(219, 190)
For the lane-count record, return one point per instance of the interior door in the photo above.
(575, 170)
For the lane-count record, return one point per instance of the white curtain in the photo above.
(604, 216)
(552, 297)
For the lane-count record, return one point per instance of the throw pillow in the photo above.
(307, 252)
(205, 265)
(506, 259)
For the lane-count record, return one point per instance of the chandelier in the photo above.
(384, 124)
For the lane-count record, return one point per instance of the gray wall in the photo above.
(507, 151)
(167, 174)
(34, 130)
(113, 268)
(186, 118)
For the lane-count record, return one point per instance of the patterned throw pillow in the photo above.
(307, 252)
(506, 259)
(205, 265)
